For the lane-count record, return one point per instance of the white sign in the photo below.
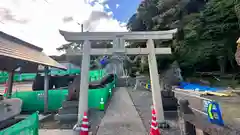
(205, 105)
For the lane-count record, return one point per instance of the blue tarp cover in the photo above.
(192, 86)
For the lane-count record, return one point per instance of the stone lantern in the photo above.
(237, 54)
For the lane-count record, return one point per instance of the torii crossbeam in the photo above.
(119, 39)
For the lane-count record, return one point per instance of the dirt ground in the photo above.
(142, 100)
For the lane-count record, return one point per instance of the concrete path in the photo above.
(121, 117)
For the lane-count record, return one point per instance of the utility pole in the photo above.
(82, 27)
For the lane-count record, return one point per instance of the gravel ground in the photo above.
(142, 100)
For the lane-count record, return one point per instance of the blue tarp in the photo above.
(103, 61)
(192, 86)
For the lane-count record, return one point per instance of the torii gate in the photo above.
(119, 39)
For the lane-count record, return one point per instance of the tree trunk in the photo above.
(222, 64)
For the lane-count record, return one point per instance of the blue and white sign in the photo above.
(214, 113)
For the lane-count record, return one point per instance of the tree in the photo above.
(135, 23)
(220, 31)
(208, 30)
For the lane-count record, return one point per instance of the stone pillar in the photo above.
(84, 82)
(155, 86)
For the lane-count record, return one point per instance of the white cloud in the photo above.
(117, 6)
(113, 25)
(110, 13)
(107, 6)
(38, 21)
(90, 1)
(102, 1)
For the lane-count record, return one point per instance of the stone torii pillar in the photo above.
(119, 39)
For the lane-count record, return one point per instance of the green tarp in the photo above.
(57, 96)
(28, 126)
(31, 76)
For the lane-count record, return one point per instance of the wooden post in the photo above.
(81, 27)
(46, 87)
(10, 83)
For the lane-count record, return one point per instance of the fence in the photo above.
(28, 126)
(197, 103)
(31, 76)
(141, 81)
(200, 105)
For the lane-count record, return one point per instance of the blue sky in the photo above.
(125, 10)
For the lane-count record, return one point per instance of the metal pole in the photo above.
(81, 27)
(46, 87)
(10, 83)
(156, 89)
(83, 93)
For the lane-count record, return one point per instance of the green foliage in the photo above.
(214, 34)
(207, 36)
(135, 23)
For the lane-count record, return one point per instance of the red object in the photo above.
(154, 126)
(84, 126)
(6, 87)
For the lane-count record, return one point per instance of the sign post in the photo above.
(214, 113)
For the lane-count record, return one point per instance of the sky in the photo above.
(38, 21)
